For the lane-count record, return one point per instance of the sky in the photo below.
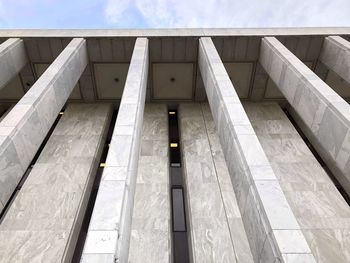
(172, 13)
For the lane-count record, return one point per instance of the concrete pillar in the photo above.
(324, 114)
(335, 55)
(151, 228)
(273, 231)
(12, 59)
(44, 220)
(26, 125)
(109, 230)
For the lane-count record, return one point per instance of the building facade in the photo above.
(175, 145)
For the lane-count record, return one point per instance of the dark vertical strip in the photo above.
(180, 249)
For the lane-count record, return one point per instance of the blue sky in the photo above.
(172, 13)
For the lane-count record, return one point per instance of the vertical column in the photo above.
(109, 231)
(25, 126)
(272, 230)
(150, 231)
(315, 201)
(335, 55)
(43, 222)
(322, 111)
(12, 59)
(234, 217)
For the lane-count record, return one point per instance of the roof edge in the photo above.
(176, 32)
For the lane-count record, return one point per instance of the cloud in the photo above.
(115, 10)
(172, 13)
(229, 13)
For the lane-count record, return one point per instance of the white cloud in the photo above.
(115, 10)
(230, 13)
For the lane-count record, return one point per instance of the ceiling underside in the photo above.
(173, 70)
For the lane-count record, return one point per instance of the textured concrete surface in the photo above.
(266, 214)
(109, 231)
(151, 229)
(325, 114)
(321, 211)
(336, 56)
(43, 222)
(12, 59)
(217, 232)
(25, 127)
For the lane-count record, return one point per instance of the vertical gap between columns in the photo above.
(180, 248)
(318, 158)
(92, 199)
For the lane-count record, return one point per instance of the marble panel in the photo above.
(154, 167)
(154, 129)
(119, 146)
(151, 201)
(285, 237)
(335, 55)
(29, 252)
(150, 234)
(321, 212)
(100, 242)
(275, 205)
(298, 258)
(244, 154)
(329, 245)
(332, 132)
(12, 59)
(46, 213)
(240, 241)
(149, 246)
(101, 258)
(232, 212)
(211, 235)
(211, 241)
(10, 169)
(34, 114)
(255, 227)
(27, 138)
(119, 175)
(109, 203)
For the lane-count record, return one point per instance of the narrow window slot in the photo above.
(175, 157)
(175, 176)
(178, 210)
(180, 248)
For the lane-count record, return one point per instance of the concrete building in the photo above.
(175, 145)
